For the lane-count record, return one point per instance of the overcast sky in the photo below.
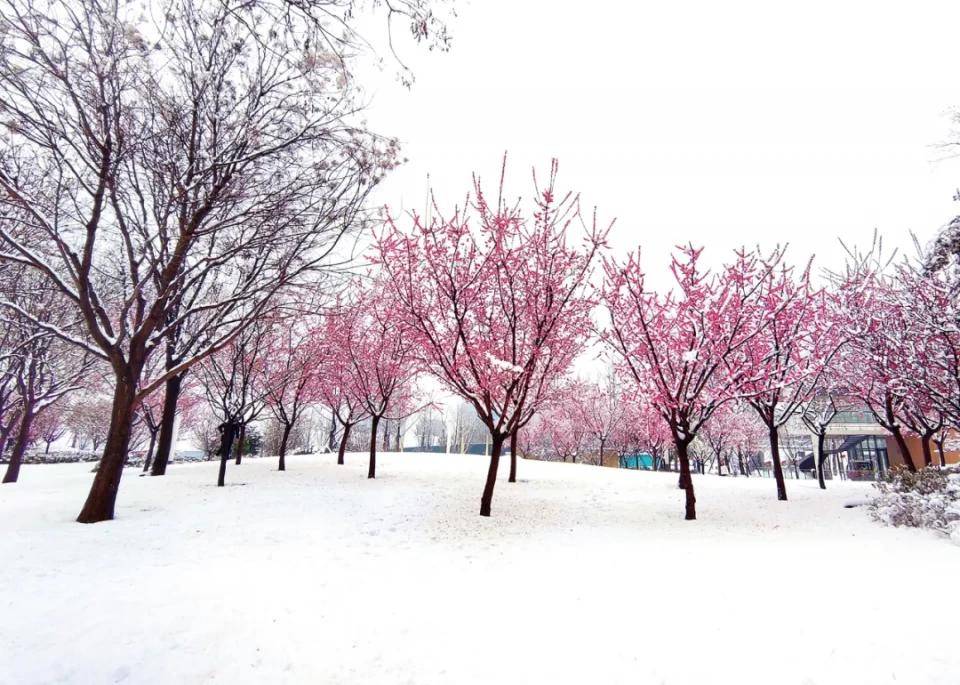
(718, 123)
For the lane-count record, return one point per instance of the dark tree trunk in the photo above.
(397, 438)
(904, 450)
(103, 493)
(168, 420)
(241, 437)
(148, 459)
(19, 446)
(690, 507)
(386, 436)
(343, 442)
(927, 454)
(283, 446)
(486, 500)
(943, 458)
(777, 465)
(602, 445)
(372, 469)
(821, 458)
(46, 449)
(513, 458)
(226, 440)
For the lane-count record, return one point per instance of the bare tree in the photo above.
(431, 429)
(45, 368)
(170, 179)
(231, 379)
(89, 421)
(817, 415)
(467, 427)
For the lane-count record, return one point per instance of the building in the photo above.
(857, 447)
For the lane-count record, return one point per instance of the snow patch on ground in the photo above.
(582, 575)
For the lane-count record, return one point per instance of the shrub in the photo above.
(929, 498)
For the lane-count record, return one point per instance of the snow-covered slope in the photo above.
(317, 575)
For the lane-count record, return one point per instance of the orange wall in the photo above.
(916, 452)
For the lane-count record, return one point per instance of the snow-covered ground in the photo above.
(582, 575)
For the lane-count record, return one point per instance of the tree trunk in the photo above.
(283, 446)
(226, 440)
(513, 458)
(171, 395)
(777, 466)
(46, 449)
(386, 436)
(600, 458)
(19, 446)
(397, 445)
(343, 442)
(821, 458)
(486, 500)
(690, 509)
(904, 450)
(372, 469)
(943, 458)
(925, 445)
(241, 437)
(103, 493)
(147, 460)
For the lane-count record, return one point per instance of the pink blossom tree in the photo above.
(289, 376)
(929, 302)
(380, 359)
(602, 410)
(50, 426)
(718, 433)
(681, 348)
(747, 436)
(497, 299)
(785, 361)
(734, 430)
(562, 433)
(885, 352)
(332, 360)
(641, 430)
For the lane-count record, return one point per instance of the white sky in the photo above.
(718, 123)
